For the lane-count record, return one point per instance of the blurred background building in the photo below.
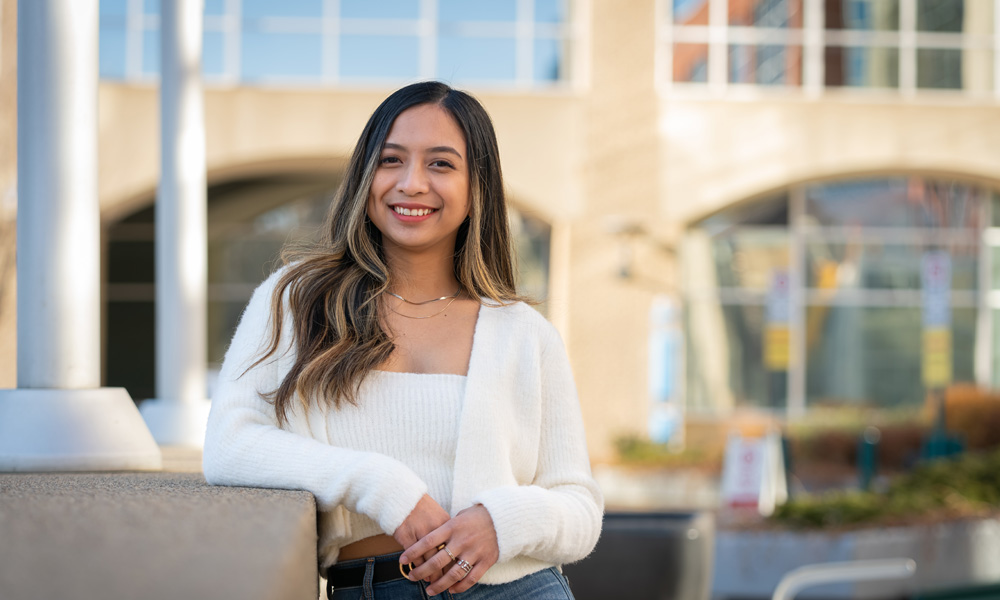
(724, 204)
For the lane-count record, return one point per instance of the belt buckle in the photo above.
(406, 574)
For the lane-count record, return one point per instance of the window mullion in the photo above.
(330, 32)
(233, 41)
(983, 355)
(908, 47)
(524, 43)
(718, 45)
(665, 43)
(428, 38)
(813, 66)
(133, 39)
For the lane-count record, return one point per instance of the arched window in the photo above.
(819, 294)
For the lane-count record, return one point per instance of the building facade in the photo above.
(725, 205)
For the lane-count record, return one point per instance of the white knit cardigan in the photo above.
(521, 450)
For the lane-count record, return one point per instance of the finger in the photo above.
(429, 554)
(450, 578)
(426, 545)
(435, 573)
(438, 563)
(478, 570)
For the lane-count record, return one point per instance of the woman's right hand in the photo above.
(425, 517)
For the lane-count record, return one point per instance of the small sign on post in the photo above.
(753, 473)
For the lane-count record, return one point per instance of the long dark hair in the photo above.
(332, 288)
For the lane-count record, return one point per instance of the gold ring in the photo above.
(465, 565)
(448, 552)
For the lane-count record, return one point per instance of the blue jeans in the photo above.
(548, 584)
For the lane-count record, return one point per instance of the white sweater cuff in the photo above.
(516, 517)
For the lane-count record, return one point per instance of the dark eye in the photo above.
(441, 163)
(387, 160)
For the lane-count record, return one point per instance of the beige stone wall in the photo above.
(721, 152)
(249, 130)
(607, 325)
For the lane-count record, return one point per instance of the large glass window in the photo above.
(852, 315)
(523, 43)
(902, 45)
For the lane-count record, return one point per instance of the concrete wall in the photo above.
(155, 536)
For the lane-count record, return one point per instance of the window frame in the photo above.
(525, 31)
(814, 39)
(800, 232)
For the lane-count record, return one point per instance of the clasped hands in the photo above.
(469, 536)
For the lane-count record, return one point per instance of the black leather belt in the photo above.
(339, 576)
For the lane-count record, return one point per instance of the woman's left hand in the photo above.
(469, 536)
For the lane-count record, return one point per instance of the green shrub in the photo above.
(965, 486)
(637, 451)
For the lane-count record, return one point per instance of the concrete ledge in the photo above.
(118, 536)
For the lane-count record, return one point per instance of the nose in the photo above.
(413, 180)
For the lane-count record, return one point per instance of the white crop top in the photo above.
(412, 417)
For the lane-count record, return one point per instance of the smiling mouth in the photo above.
(413, 212)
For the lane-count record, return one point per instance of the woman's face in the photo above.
(420, 194)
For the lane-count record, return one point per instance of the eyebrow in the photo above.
(448, 149)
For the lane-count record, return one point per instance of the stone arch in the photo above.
(254, 207)
(749, 192)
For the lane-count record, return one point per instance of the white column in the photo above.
(59, 418)
(178, 414)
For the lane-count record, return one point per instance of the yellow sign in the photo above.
(776, 351)
(937, 357)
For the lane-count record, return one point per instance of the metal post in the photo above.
(59, 418)
(178, 414)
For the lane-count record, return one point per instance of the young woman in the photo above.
(395, 374)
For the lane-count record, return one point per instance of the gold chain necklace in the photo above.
(453, 298)
(455, 295)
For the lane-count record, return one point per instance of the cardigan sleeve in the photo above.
(245, 447)
(557, 518)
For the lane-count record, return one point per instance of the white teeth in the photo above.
(416, 212)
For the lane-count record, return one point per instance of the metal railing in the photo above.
(837, 572)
